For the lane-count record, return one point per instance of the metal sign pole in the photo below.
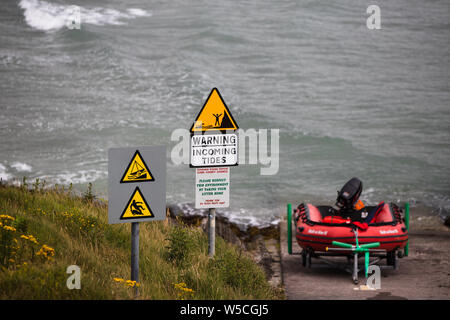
(212, 232)
(213, 130)
(132, 186)
(135, 255)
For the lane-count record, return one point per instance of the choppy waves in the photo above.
(14, 172)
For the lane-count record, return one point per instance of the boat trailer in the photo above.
(351, 251)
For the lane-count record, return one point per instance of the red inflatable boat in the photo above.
(318, 226)
(375, 232)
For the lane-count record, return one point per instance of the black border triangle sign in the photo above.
(128, 204)
(226, 108)
(146, 168)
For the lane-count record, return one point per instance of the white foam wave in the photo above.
(80, 177)
(46, 16)
(138, 12)
(21, 167)
(4, 175)
(241, 219)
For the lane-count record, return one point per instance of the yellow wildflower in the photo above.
(132, 283)
(30, 238)
(46, 252)
(183, 291)
(6, 217)
(128, 283)
(8, 228)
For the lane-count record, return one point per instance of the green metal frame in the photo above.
(357, 249)
(289, 228)
(364, 248)
(406, 250)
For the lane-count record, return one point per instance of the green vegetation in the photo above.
(43, 231)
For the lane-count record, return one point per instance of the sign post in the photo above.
(136, 192)
(135, 255)
(214, 148)
(212, 232)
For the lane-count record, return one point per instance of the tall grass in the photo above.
(174, 263)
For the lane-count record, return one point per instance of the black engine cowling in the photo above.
(349, 194)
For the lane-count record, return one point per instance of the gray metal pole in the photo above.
(355, 268)
(135, 255)
(212, 232)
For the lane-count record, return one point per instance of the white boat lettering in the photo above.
(388, 231)
(318, 232)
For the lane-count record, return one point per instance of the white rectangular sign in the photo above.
(212, 187)
(214, 150)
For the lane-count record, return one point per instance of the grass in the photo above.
(44, 231)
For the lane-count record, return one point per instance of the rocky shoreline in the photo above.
(262, 243)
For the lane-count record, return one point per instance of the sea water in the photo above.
(348, 101)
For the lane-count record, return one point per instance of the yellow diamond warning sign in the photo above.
(137, 207)
(137, 170)
(214, 115)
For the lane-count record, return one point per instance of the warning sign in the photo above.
(137, 207)
(131, 197)
(212, 186)
(137, 170)
(214, 115)
(214, 150)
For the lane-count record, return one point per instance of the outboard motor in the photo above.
(349, 195)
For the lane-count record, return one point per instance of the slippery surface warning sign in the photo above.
(212, 187)
(136, 184)
(214, 115)
(137, 207)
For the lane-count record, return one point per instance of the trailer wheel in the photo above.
(308, 260)
(306, 257)
(392, 259)
(304, 254)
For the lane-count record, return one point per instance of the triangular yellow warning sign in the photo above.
(214, 115)
(137, 207)
(137, 170)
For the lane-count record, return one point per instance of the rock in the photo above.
(445, 217)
